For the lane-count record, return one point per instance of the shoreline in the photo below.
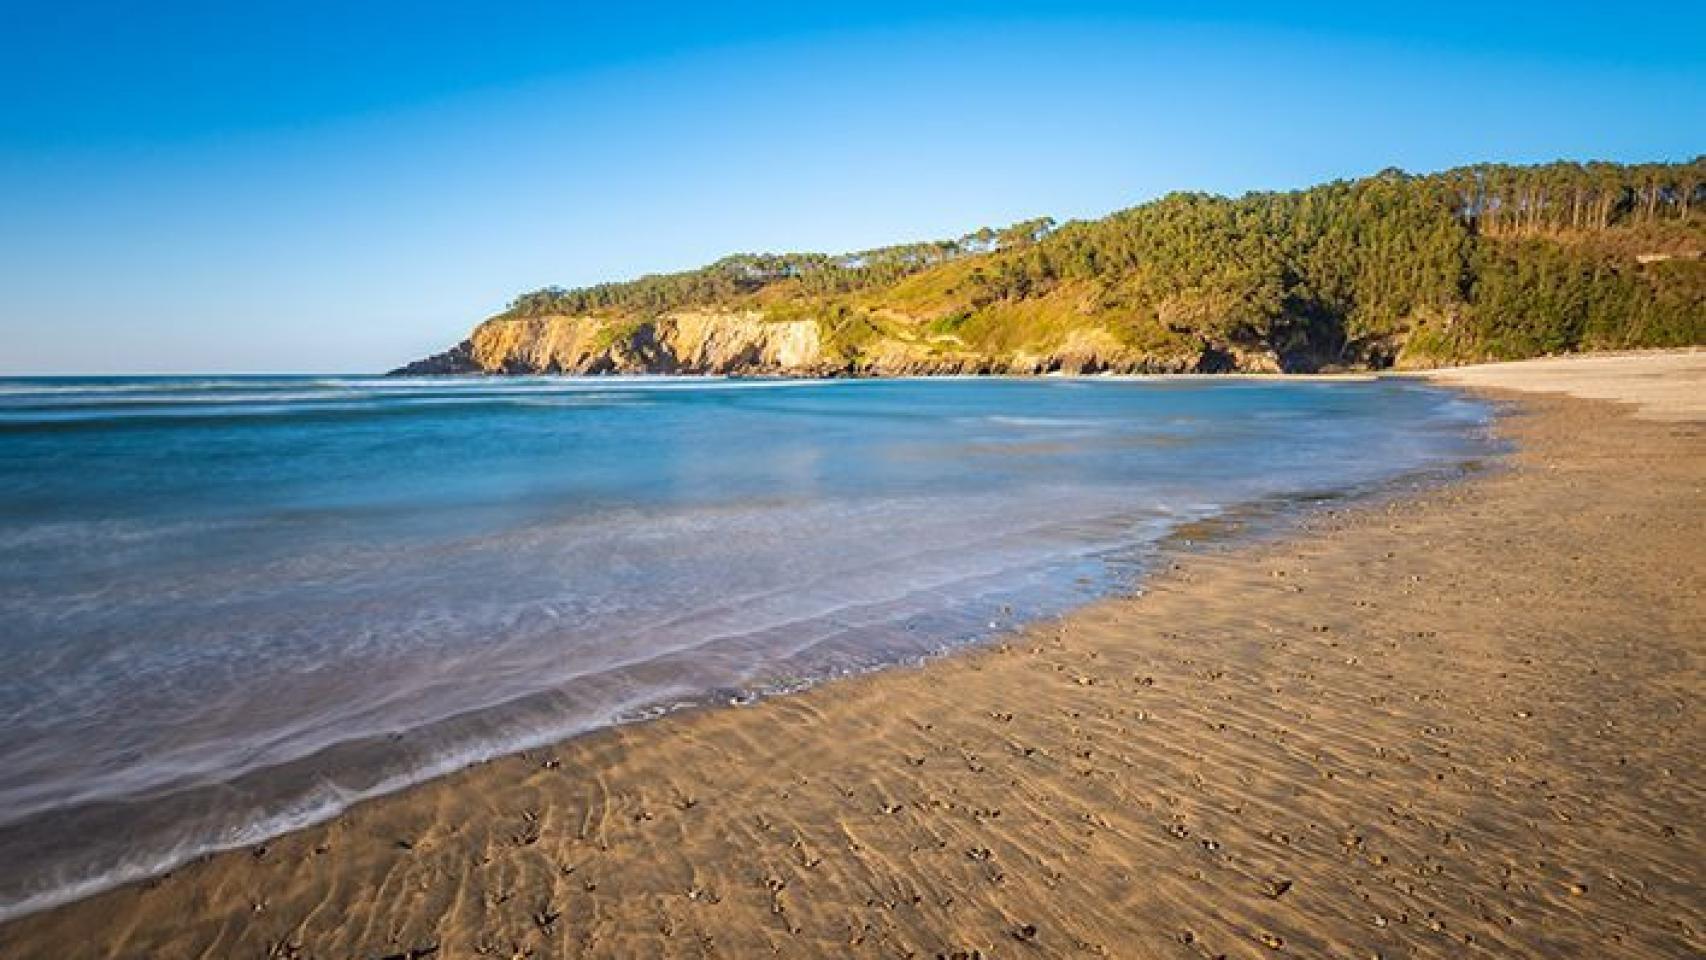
(75, 853)
(1244, 524)
(624, 825)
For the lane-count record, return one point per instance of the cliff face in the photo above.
(745, 343)
(683, 342)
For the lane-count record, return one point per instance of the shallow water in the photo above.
(234, 605)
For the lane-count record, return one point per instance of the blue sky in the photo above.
(342, 187)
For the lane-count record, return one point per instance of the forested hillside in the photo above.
(1483, 262)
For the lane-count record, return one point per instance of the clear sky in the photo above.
(318, 187)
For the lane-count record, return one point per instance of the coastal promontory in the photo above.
(1486, 262)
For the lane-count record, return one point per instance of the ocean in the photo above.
(232, 606)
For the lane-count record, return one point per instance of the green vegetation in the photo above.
(1479, 262)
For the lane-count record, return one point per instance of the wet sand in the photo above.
(1461, 723)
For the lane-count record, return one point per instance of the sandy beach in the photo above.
(1460, 722)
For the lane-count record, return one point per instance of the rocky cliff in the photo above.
(682, 342)
(746, 343)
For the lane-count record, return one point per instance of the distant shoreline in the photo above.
(1440, 371)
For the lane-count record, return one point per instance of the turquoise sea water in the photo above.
(234, 605)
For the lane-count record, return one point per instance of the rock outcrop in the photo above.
(684, 342)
